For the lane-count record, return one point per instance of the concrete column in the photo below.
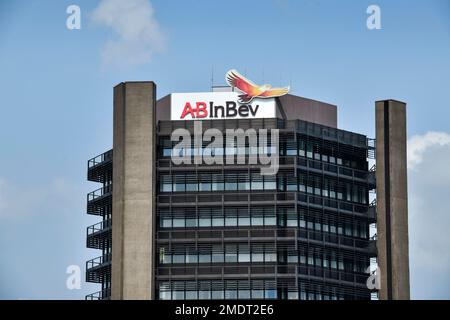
(133, 191)
(392, 199)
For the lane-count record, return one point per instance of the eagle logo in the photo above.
(251, 90)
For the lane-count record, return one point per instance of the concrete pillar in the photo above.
(133, 191)
(392, 199)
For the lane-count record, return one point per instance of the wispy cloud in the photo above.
(429, 219)
(419, 144)
(138, 34)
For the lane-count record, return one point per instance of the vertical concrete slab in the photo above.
(392, 200)
(133, 191)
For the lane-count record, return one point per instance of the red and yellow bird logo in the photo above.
(251, 90)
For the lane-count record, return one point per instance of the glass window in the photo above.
(204, 182)
(204, 295)
(292, 259)
(166, 184)
(270, 257)
(244, 253)
(270, 220)
(231, 182)
(165, 295)
(270, 294)
(270, 182)
(230, 221)
(231, 294)
(191, 258)
(257, 257)
(243, 182)
(244, 220)
(217, 182)
(244, 294)
(257, 220)
(257, 294)
(179, 185)
(191, 295)
(178, 223)
(205, 220)
(292, 220)
(178, 258)
(293, 295)
(217, 221)
(217, 257)
(166, 222)
(257, 182)
(178, 295)
(217, 294)
(230, 253)
(191, 183)
(204, 257)
(191, 222)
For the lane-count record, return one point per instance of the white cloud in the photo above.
(138, 33)
(429, 218)
(418, 145)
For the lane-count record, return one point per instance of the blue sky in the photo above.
(56, 107)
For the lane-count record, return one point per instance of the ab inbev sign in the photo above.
(252, 101)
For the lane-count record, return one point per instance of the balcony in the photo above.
(100, 167)
(98, 234)
(98, 200)
(104, 294)
(97, 268)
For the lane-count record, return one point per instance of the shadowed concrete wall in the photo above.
(133, 189)
(392, 200)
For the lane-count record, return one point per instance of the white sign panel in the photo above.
(218, 105)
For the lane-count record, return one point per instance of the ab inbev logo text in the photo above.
(241, 146)
(248, 101)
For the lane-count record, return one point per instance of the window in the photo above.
(293, 295)
(191, 222)
(244, 294)
(204, 294)
(230, 253)
(257, 182)
(179, 184)
(270, 257)
(217, 294)
(257, 257)
(244, 253)
(217, 182)
(231, 294)
(257, 220)
(178, 295)
(270, 183)
(217, 221)
(166, 184)
(204, 220)
(204, 257)
(191, 295)
(244, 219)
(191, 258)
(166, 222)
(178, 258)
(178, 223)
(258, 294)
(270, 294)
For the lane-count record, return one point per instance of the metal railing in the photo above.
(104, 157)
(102, 225)
(107, 190)
(96, 262)
(100, 295)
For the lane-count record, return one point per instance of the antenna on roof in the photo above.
(212, 77)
